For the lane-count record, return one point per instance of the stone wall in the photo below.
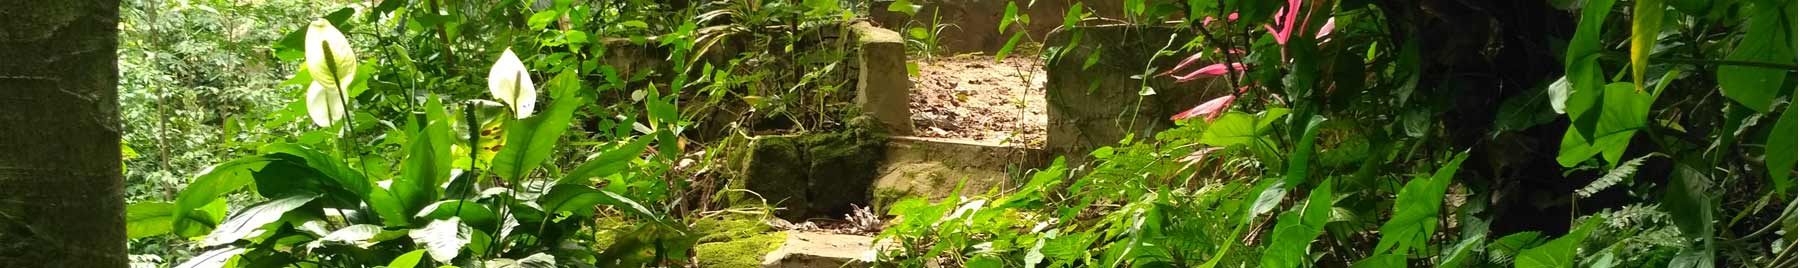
(977, 22)
(1098, 105)
(810, 175)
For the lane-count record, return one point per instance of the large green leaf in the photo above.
(427, 164)
(1690, 202)
(148, 219)
(606, 163)
(324, 163)
(1559, 252)
(1581, 63)
(1296, 229)
(1646, 26)
(408, 260)
(216, 258)
(1623, 113)
(1300, 160)
(1416, 210)
(1765, 40)
(1237, 128)
(1779, 150)
(442, 239)
(212, 184)
(579, 198)
(531, 141)
(470, 212)
(250, 222)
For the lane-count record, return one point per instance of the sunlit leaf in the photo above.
(1646, 26)
(442, 239)
(250, 221)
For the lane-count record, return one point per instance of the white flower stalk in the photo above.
(509, 83)
(329, 57)
(324, 105)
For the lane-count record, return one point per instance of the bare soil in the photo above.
(973, 98)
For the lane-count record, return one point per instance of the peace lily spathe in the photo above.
(324, 105)
(509, 83)
(329, 57)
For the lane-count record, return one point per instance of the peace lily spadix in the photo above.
(509, 83)
(324, 105)
(329, 57)
(332, 63)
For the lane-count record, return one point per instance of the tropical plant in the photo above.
(1348, 143)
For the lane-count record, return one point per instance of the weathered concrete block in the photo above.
(882, 88)
(1093, 106)
(811, 175)
(932, 168)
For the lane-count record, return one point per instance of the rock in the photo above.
(776, 169)
(821, 250)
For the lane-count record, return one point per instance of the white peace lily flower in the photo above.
(511, 85)
(339, 68)
(324, 105)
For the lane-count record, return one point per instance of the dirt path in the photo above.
(972, 97)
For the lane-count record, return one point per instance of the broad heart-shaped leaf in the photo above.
(1581, 62)
(326, 164)
(324, 105)
(216, 258)
(146, 219)
(1690, 202)
(1559, 252)
(509, 82)
(606, 163)
(1297, 228)
(329, 56)
(1765, 40)
(1301, 157)
(1779, 150)
(408, 260)
(1623, 112)
(249, 222)
(427, 163)
(442, 239)
(530, 141)
(1237, 128)
(1416, 210)
(213, 183)
(580, 198)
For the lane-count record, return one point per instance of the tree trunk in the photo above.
(61, 202)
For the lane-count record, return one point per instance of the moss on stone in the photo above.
(718, 230)
(747, 252)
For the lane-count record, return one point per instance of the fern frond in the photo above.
(1620, 173)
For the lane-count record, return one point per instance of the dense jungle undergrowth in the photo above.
(599, 133)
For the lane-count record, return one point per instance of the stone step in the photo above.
(804, 249)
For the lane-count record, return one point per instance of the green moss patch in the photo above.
(734, 242)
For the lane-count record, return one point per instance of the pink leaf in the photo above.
(1184, 63)
(1211, 109)
(1216, 69)
(1325, 30)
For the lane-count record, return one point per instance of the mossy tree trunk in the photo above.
(60, 176)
